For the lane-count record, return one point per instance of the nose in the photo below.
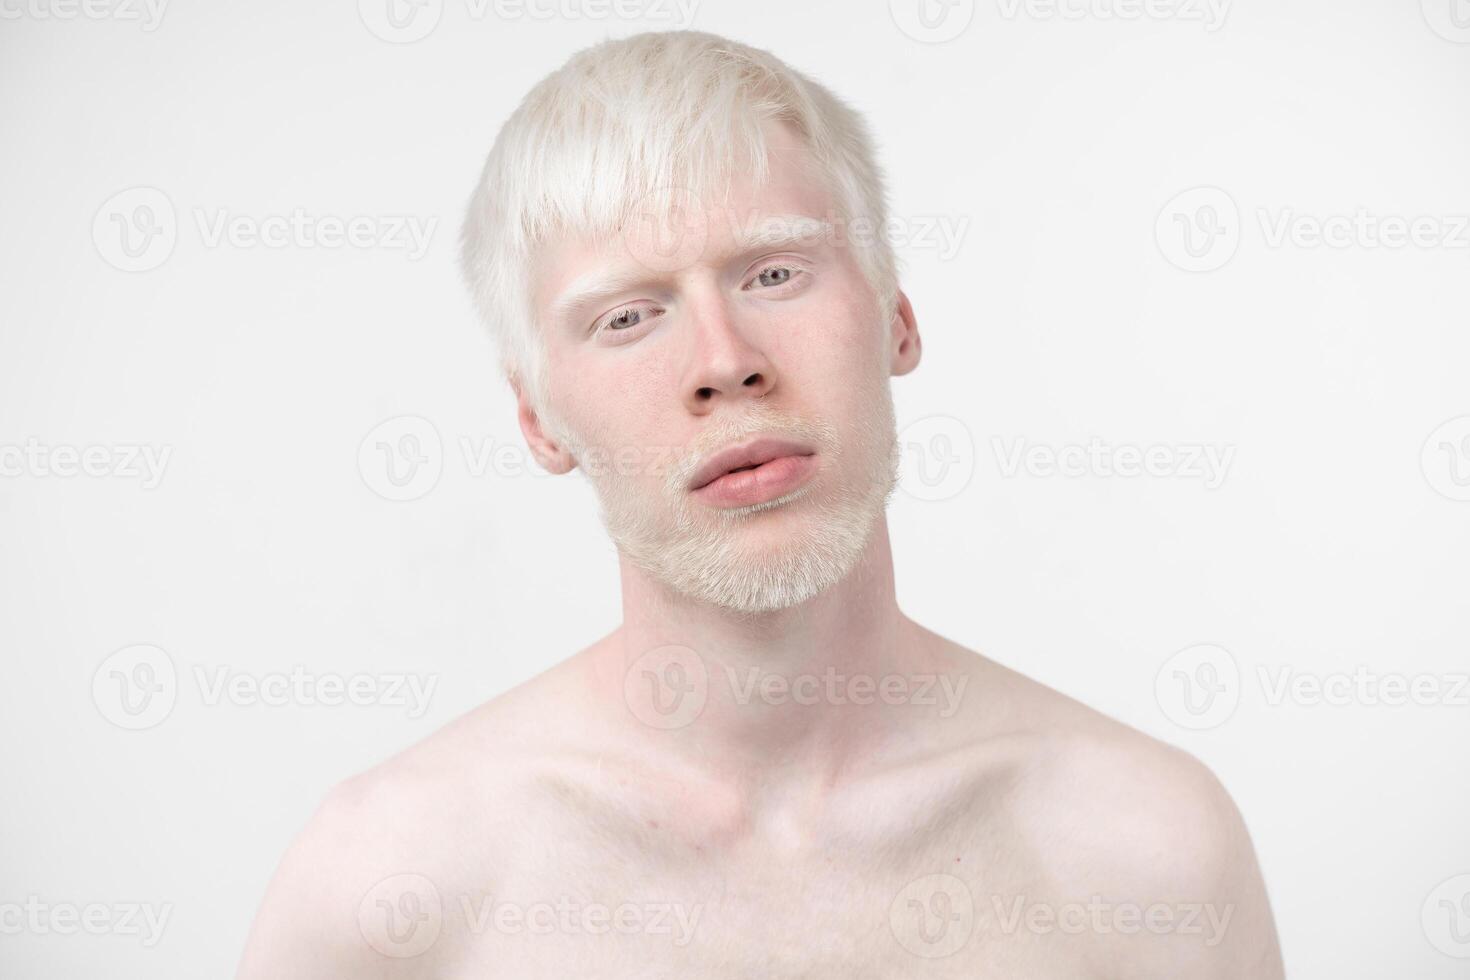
(724, 364)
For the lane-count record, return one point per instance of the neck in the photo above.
(793, 689)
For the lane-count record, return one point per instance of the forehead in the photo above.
(668, 237)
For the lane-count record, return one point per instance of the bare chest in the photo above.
(584, 910)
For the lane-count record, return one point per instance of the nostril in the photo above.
(754, 379)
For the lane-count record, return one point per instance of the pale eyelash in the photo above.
(796, 271)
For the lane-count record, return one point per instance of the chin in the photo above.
(758, 562)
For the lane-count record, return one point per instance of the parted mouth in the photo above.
(747, 456)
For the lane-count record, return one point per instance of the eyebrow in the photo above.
(783, 229)
(775, 231)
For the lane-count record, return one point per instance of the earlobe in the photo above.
(907, 347)
(552, 457)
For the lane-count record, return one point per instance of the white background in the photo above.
(1334, 543)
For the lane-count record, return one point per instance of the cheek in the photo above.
(841, 345)
(614, 411)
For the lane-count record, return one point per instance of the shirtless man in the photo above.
(767, 770)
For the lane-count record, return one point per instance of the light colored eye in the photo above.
(775, 275)
(624, 319)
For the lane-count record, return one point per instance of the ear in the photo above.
(549, 453)
(904, 337)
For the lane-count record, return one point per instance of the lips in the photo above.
(747, 456)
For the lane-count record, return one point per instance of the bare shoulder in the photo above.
(1135, 839)
(364, 888)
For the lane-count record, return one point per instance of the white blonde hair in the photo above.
(629, 124)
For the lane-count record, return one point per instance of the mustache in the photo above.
(676, 465)
(756, 420)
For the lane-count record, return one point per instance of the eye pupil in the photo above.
(774, 276)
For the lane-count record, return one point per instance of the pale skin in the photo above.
(967, 823)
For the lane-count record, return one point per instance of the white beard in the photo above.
(698, 551)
